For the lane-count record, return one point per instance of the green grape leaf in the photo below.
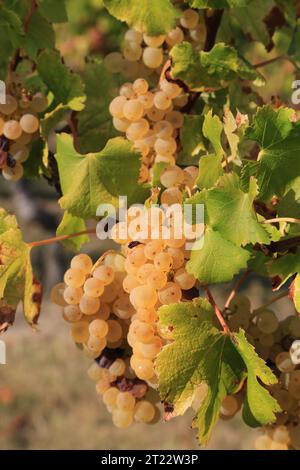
(278, 163)
(221, 361)
(94, 123)
(210, 170)
(218, 3)
(219, 260)
(153, 17)
(54, 10)
(191, 135)
(98, 178)
(231, 222)
(71, 224)
(209, 357)
(65, 85)
(39, 35)
(283, 268)
(212, 130)
(260, 407)
(17, 282)
(202, 71)
(230, 128)
(229, 211)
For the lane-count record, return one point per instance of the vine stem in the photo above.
(217, 311)
(269, 62)
(291, 220)
(61, 238)
(275, 299)
(236, 287)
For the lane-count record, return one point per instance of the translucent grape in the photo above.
(137, 256)
(12, 130)
(82, 262)
(185, 280)
(172, 176)
(98, 328)
(29, 123)
(96, 344)
(170, 89)
(121, 124)
(267, 322)
(171, 293)
(142, 331)
(13, 174)
(143, 368)
(89, 305)
(72, 313)
(152, 349)
(133, 110)
(152, 57)
(157, 279)
(143, 297)
(127, 90)
(95, 372)
(122, 419)
(122, 307)
(189, 19)
(73, 295)
(132, 51)
(147, 315)
(138, 129)
(116, 107)
(175, 36)
(163, 261)
(105, 274)
(176, 118)
(118, 367)
(93, 287)
(10, 105)
(110, 396)
(147, 100)
(155, 114)
(74, 277)
(154, 41)
(140, 86)
(144, 412)
(230, 406)
(162, 100)
(133, 35)
(125, 401)
(284, 362)
(39, 102)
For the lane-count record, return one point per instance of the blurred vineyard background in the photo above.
(46, 398)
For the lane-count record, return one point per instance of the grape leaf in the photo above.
(94, 123)
(259, 407)
(229, 211)
(65, 85)
(72, 224)
(230, 223)
(212, 130)
(219, 360)
(39, 35)
(54, 10)
(219, 260)
(210, 169)
(202, 71)
(17, 282)
(51, 119)
(278, 161)
(153, 17)
(191, 135)
(98, 178)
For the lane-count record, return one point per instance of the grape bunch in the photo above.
(278, 343)
(19, 127)
(150, 120)
(99, 312)
(144, 55)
